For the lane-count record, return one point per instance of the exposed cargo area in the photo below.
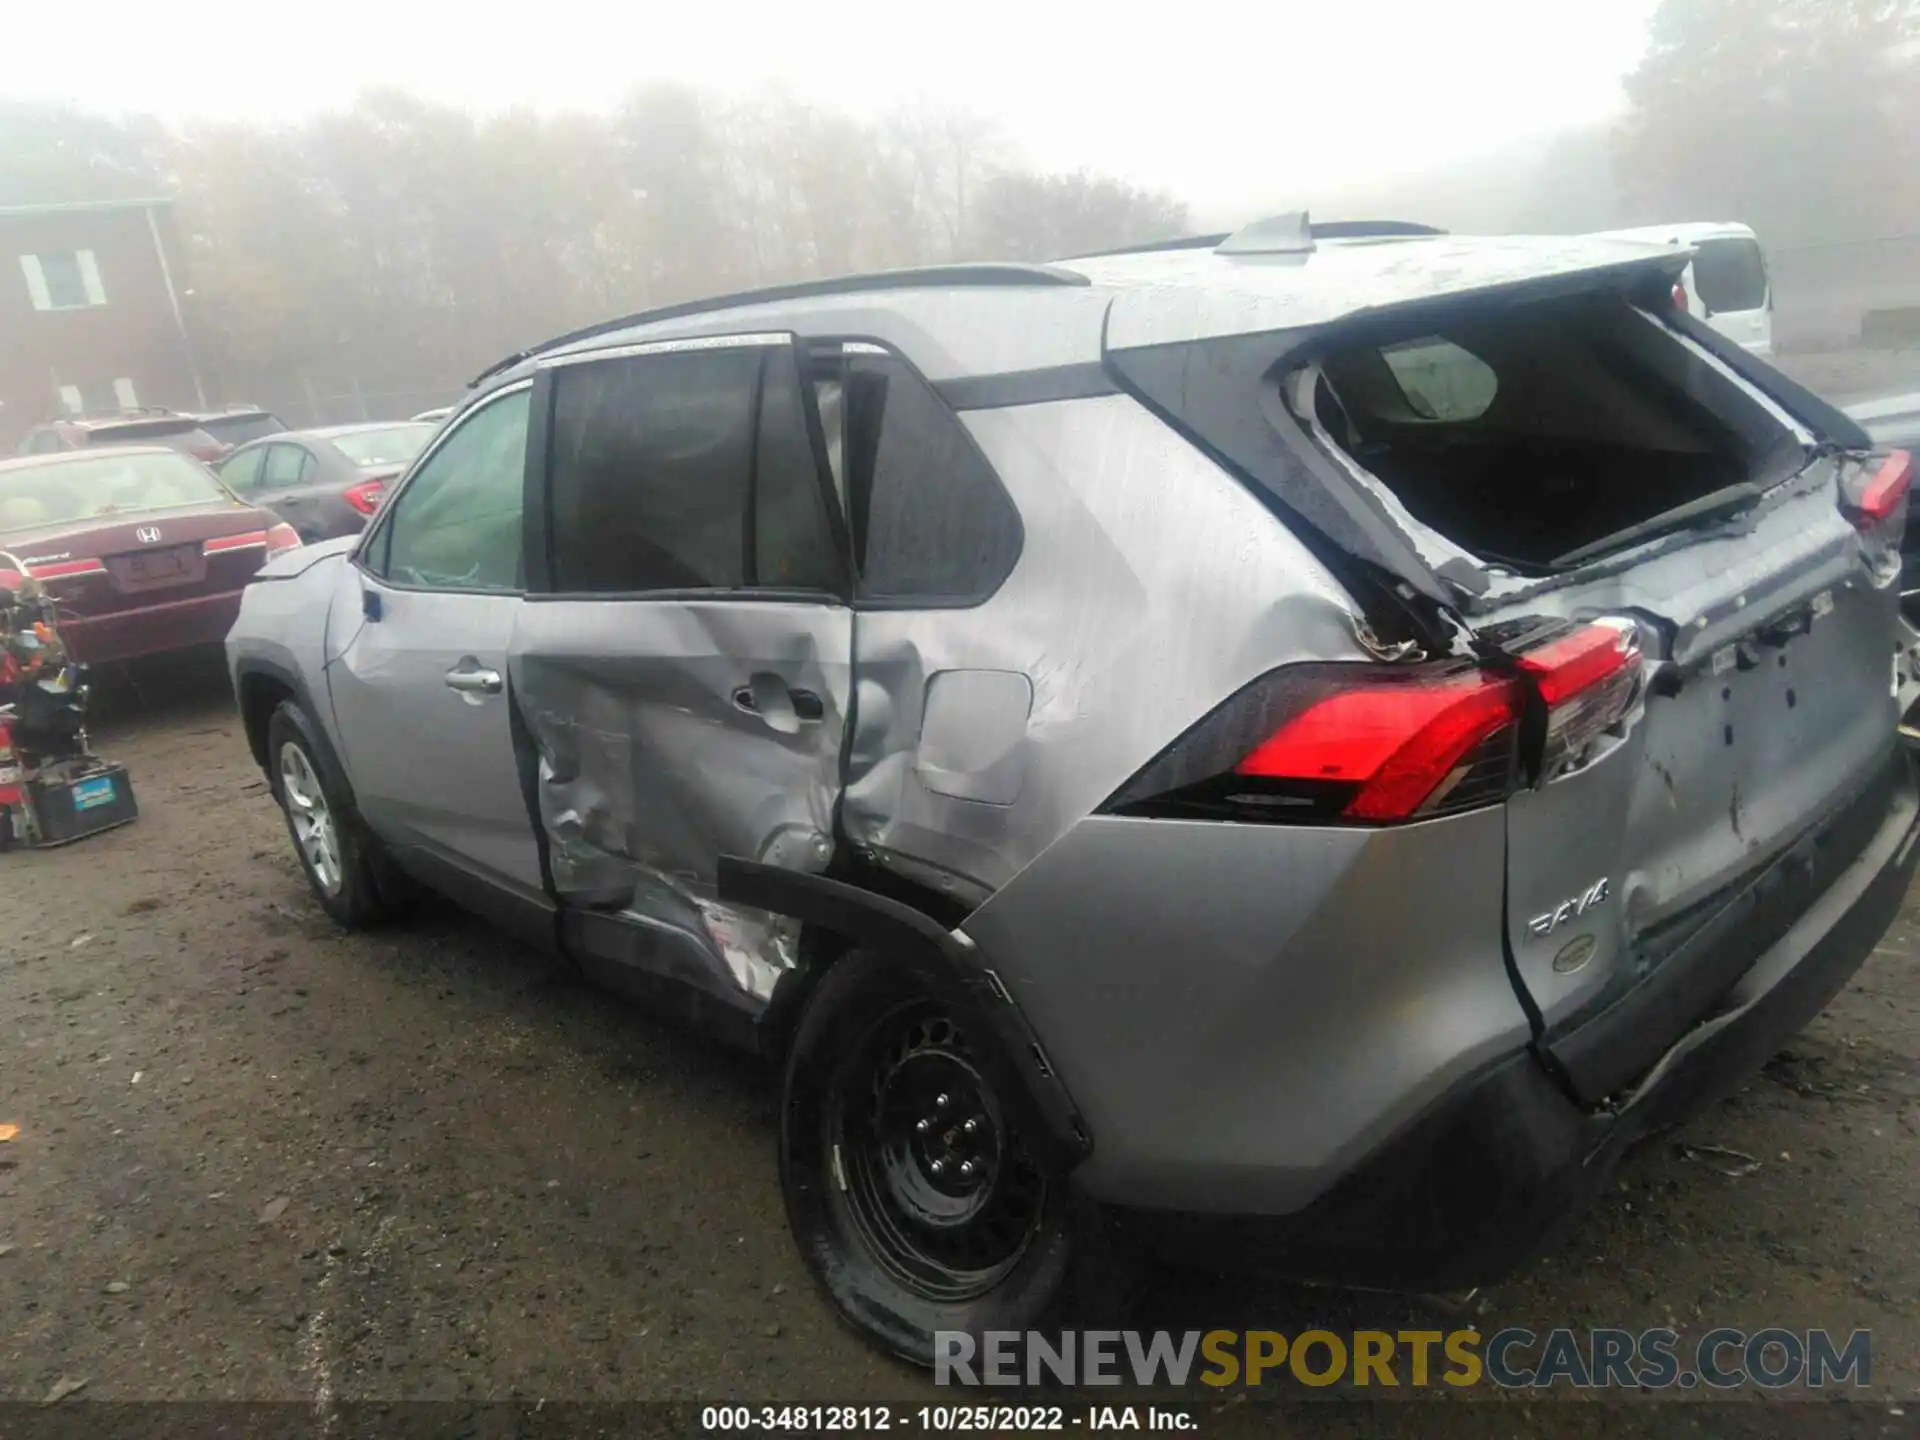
(1539, 434)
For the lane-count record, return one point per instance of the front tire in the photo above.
(914, 1200)
(336, 855)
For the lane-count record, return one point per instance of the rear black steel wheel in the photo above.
(911, 1192)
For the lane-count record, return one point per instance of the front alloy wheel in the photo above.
(310, 818)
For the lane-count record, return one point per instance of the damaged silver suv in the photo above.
(1324, 734)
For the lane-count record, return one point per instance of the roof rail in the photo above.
(922, 277)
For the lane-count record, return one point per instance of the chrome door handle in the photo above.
(475, 682)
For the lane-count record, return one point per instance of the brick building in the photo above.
(90, 316)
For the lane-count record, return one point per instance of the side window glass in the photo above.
(242, 472)
(1440, 380)
(456, 525)
(282, 468)
(686, 470)
(930, 520)
(307, 466)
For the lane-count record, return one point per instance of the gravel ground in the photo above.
(259, 1159)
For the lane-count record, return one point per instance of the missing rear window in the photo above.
(1531, 434)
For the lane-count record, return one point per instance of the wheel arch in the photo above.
(840, 915)
(261, 687)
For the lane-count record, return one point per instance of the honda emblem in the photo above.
(148, 534)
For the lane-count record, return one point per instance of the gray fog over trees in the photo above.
(396, 246)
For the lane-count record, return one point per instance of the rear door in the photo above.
(682, 663)
(417, 667)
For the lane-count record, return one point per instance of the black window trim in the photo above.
(536, 528)
(383, 522)
(854, 343)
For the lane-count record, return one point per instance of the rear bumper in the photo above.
(152, 629)
(1484, 1178)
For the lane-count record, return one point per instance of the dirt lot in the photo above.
(260, 1159)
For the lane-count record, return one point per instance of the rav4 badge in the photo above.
(1541, 926)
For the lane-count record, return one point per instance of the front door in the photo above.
(418, 667)
(684, 665)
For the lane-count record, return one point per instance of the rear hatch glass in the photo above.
(238, 429)
(180, 434)
(1730, 275)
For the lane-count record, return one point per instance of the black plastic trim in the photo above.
(1028, 387)
(948, 966)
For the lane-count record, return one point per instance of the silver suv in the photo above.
(1324, 734)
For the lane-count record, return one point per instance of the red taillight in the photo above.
(1396, 742)
(1375, 744)
(1882, 495)
(56, 569)
(280, 539)
(245, 540)
(1563, 668)
(365, 497)
(1680, 296)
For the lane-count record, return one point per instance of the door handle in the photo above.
(777, 705)
(475, 682)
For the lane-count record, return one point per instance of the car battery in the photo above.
(72, 804)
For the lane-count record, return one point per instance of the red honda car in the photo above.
(142, 548)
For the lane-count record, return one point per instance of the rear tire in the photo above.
(913, 1198)
(349, 876)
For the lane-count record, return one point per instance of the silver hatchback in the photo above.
(1324, 735)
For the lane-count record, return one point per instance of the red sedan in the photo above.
(142, 548)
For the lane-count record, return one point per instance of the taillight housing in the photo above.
(1879, 494)
(365, 496)
(280, 539)
(1373, 744)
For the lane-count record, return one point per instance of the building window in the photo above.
(64, 281)
(98, 397)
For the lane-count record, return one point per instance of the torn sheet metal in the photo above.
(669, 733)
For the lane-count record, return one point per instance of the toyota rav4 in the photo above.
(1326, 734)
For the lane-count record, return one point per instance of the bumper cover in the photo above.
(1486, 1177)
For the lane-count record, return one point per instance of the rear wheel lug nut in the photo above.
(972, 1126)
(922, 1126)
(939, 1167)
(940, 1101)
(966, 1169)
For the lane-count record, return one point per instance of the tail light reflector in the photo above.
(365, 497)
(57, 569)
(245, 540)
(1680, 296)
(1371, 745)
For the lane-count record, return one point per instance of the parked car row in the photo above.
(1306, 743)
(146, 525)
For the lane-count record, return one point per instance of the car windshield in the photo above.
(371, 448)
(238, 429)
(61, 492)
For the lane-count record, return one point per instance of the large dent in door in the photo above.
(647, 769)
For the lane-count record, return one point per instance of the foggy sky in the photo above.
(1224, 104)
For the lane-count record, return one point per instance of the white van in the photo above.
(1726, 285)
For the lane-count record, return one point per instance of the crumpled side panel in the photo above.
(669, 733)
(1151, 587)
